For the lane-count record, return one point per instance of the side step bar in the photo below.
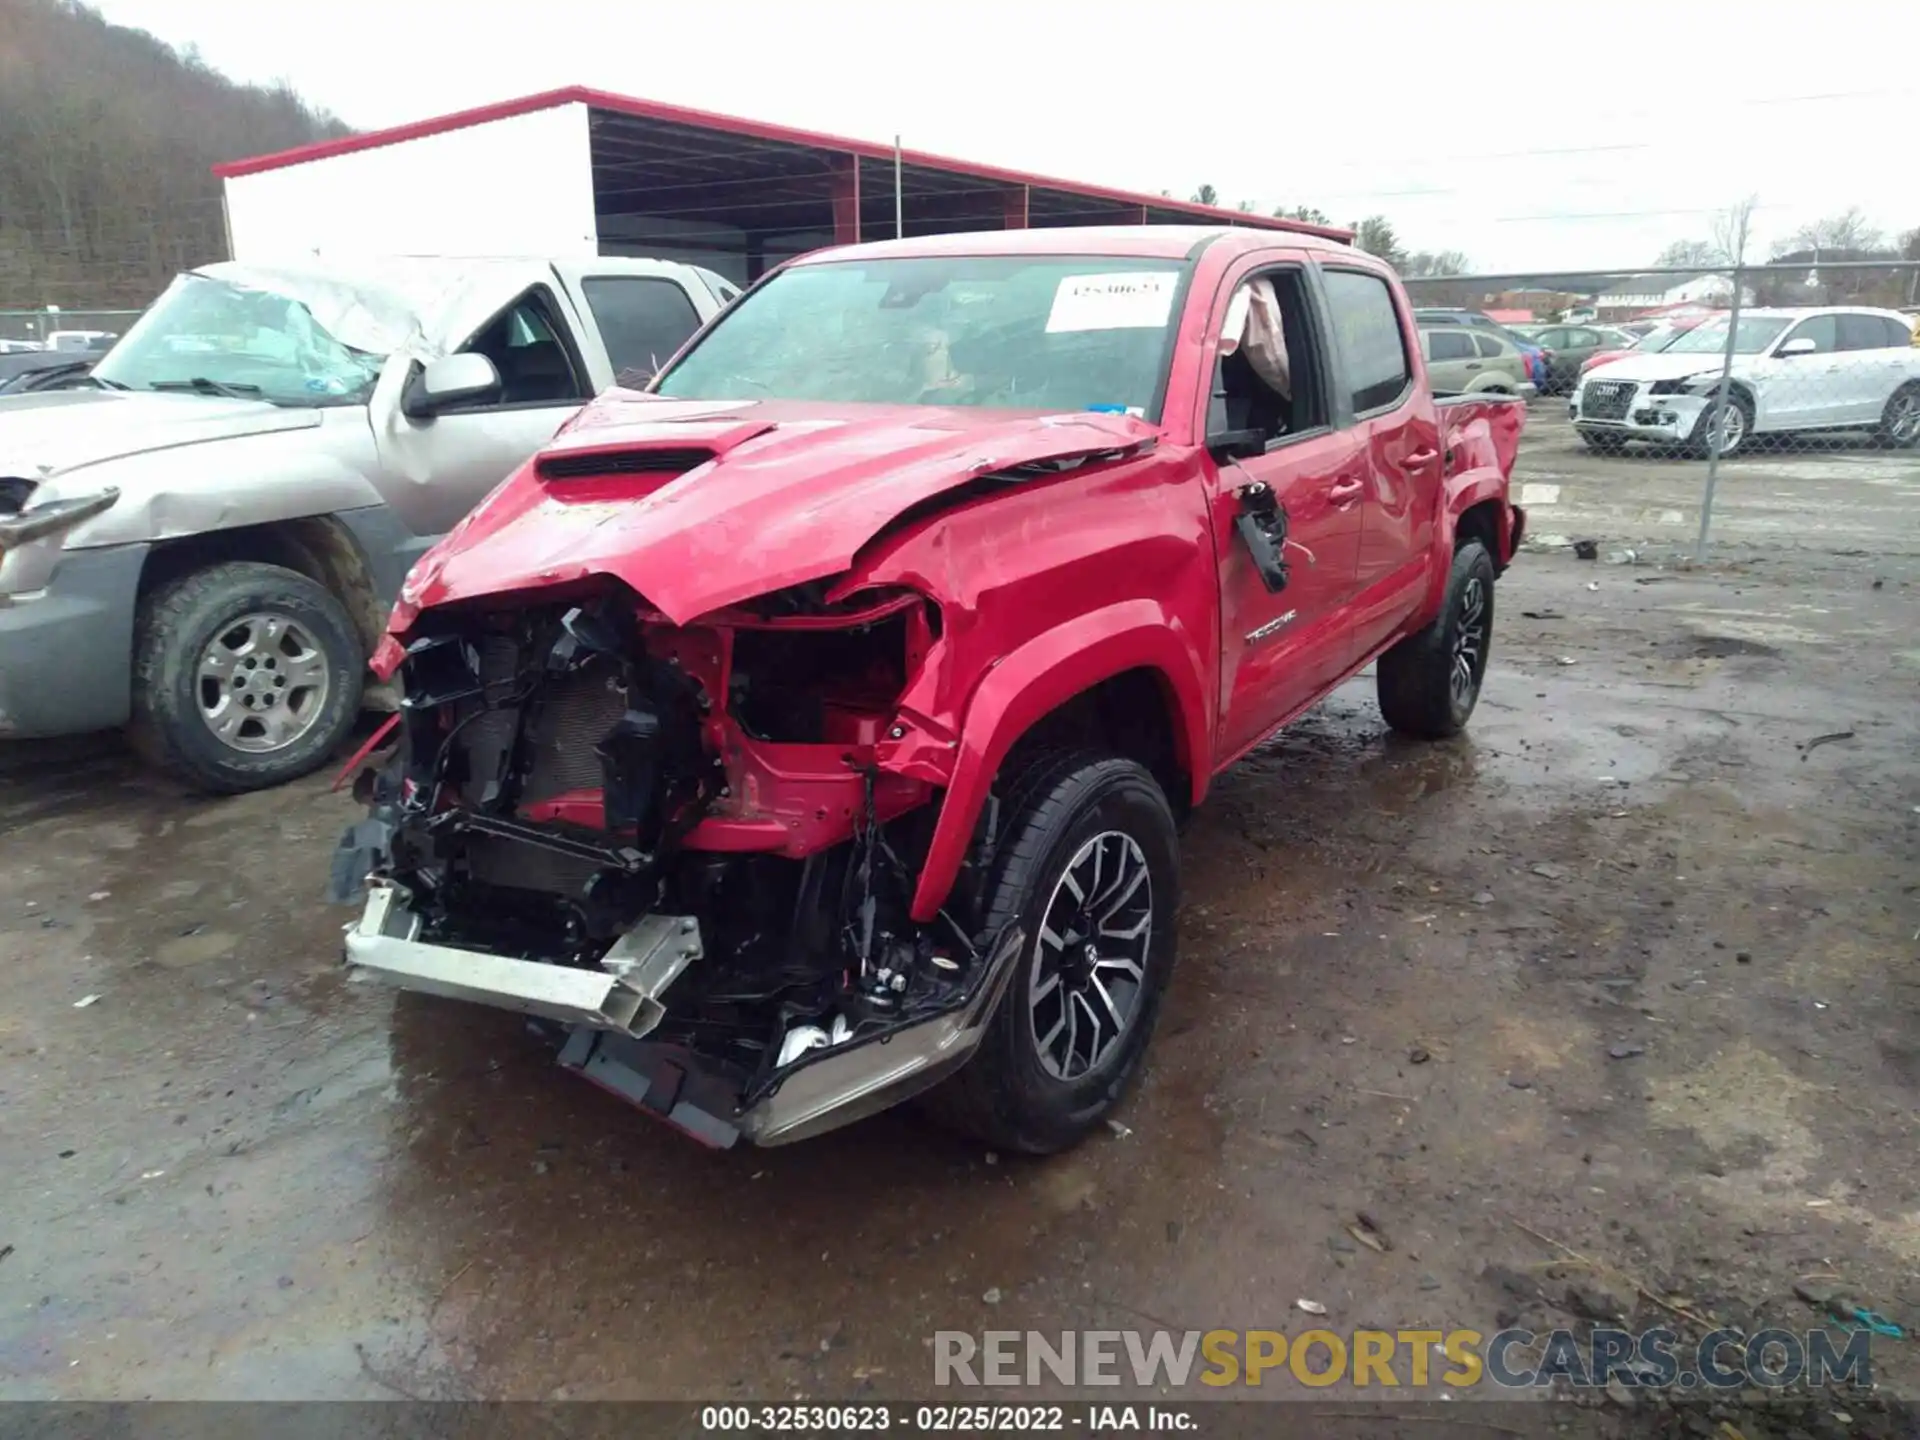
(623, 997)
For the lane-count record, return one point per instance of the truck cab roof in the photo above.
(1161, 242)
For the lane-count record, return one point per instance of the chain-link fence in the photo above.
(1785, 378)
(61, 329)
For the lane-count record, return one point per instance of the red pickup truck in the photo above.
(815, 729)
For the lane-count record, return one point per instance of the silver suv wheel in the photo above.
(262, 683)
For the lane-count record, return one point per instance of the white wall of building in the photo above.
(1651, 294)
(517, 186)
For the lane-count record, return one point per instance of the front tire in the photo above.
(1736, 428)
(1089, 866)
(1429, 683)
(245, 676)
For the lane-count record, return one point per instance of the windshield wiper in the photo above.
(201, 385)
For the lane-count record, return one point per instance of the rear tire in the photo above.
(1899, 427)
(1429, 683)
(244, 676)
(1102, 826)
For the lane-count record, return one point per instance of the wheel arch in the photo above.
(1485, 521)
(1127, 676)
(319, 547)
(1741, 391)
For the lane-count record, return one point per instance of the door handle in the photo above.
(1344, 489)
(1473, 365)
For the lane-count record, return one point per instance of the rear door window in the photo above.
(1366, 324)
(642, 319)
(1870, 332)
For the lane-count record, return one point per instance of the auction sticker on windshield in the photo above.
(1113, 302)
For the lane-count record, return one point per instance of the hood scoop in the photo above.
(661, 455)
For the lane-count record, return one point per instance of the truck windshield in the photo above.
(1755, 334)
(210, 336)
(999, 332)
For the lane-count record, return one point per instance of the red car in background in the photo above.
(1651, 343)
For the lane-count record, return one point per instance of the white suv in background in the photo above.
(1793, 370)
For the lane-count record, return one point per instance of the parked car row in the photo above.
(1569, 347)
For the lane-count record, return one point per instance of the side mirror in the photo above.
(1226, 445)
(1802, 346)
(451, 380)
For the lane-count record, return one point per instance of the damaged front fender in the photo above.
(1042, 676)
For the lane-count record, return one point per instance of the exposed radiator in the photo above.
(573, 712)
(579, 710)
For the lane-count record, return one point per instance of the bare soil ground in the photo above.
(1629, 970)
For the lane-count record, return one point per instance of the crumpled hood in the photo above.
(59, 431)
(793, 495)
(1663, 366)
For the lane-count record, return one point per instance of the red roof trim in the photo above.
(759, 130)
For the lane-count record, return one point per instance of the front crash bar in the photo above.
(622, 998)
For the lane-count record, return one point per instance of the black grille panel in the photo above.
(1607, 399)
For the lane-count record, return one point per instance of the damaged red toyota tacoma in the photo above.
(815, 729)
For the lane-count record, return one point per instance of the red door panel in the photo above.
(1280, 650)
(1403, 479)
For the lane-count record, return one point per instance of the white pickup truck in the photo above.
(200, 540)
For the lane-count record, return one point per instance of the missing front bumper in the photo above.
(611, 1012)
(821, 1092)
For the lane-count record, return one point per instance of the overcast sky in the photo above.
(1527, 135)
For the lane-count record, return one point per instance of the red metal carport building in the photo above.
(581, 171)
